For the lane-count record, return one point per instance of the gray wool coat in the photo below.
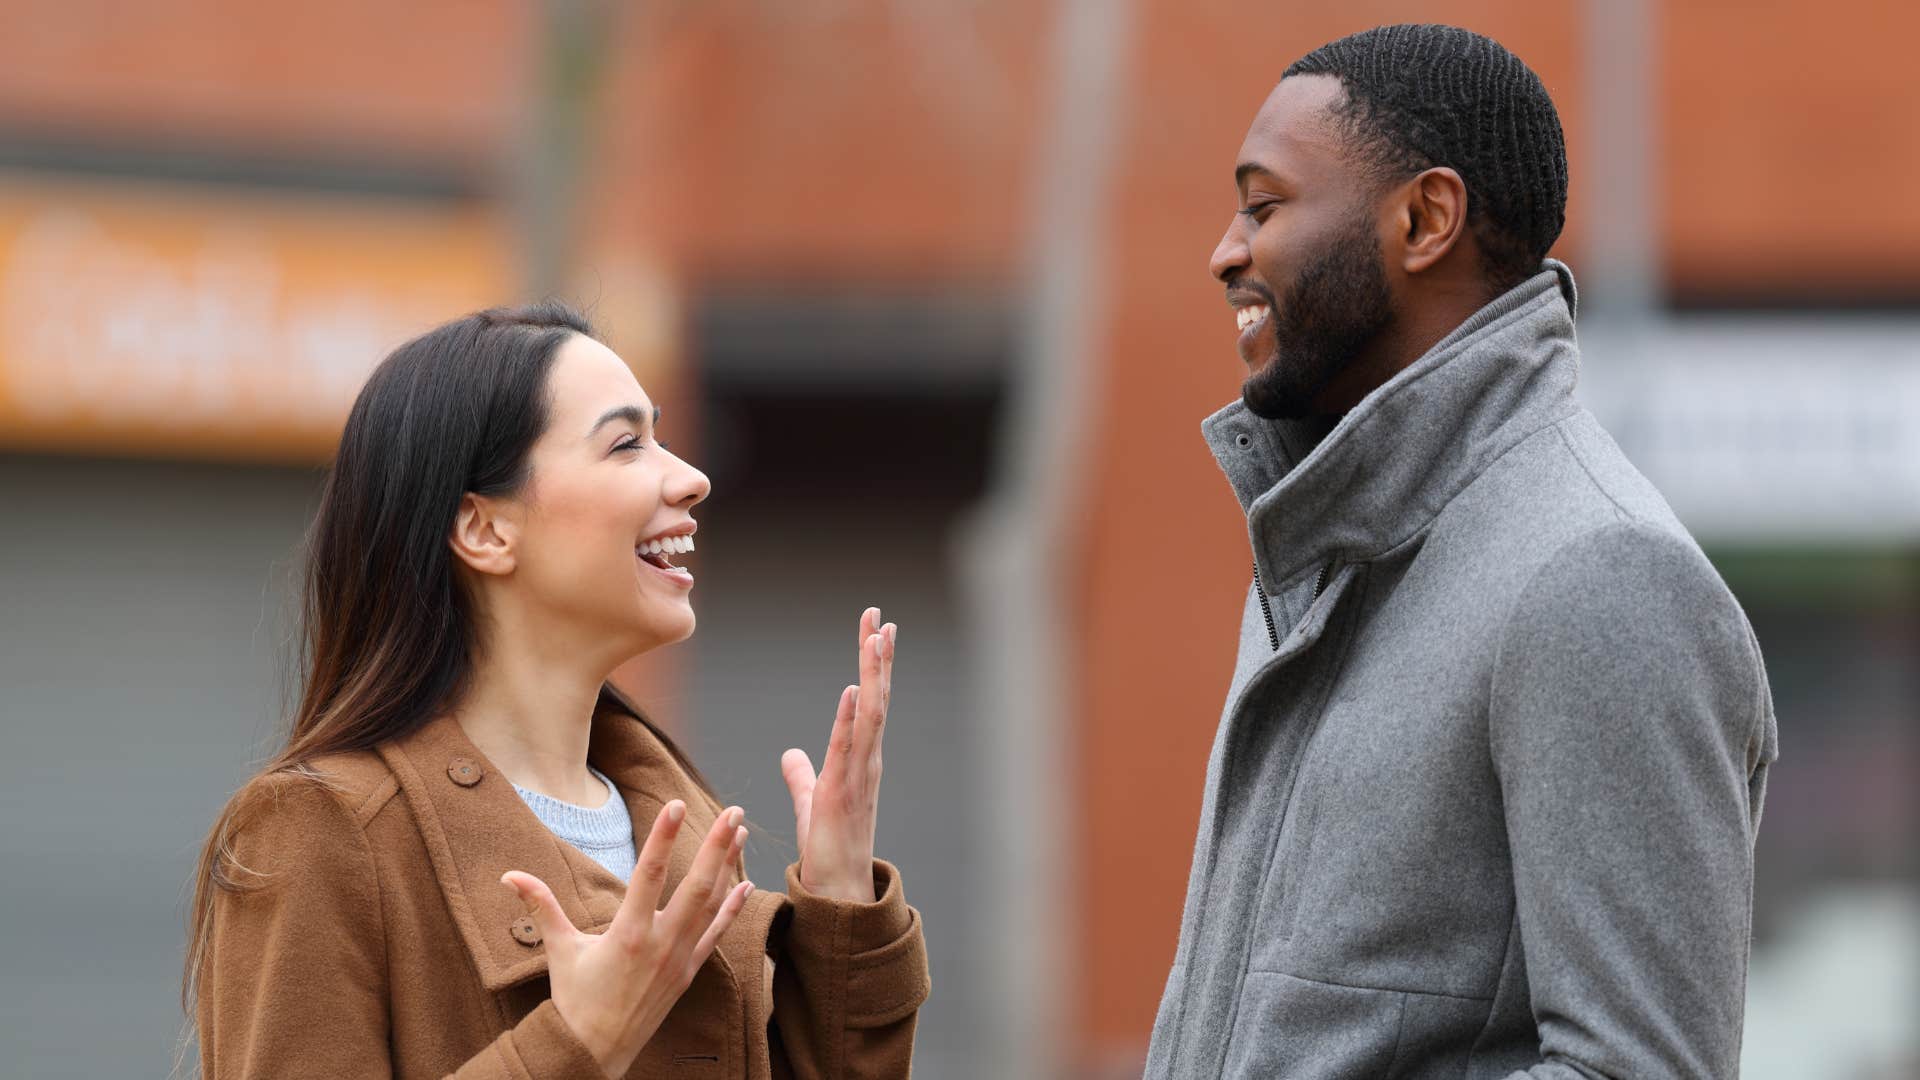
(1483, 798)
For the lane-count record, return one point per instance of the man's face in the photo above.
(1301, 260)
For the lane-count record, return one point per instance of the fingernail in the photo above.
(676, 810)
(734, 815)
(749, 891)
(893, 633)
(740, 836)
(877, 616)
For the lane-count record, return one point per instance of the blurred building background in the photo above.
(923, 285)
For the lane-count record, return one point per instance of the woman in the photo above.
(393, 896)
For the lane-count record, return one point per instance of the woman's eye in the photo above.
(629, 444)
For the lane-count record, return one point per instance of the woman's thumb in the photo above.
(547, 916)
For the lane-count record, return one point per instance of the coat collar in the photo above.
(476, 827)
(1316, 493)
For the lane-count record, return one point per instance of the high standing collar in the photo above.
(1379, 477)
(476, 828)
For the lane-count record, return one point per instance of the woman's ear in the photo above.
(1433, 215)
(483, 535)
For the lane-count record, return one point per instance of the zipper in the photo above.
(1266, 610)
(1273, 636)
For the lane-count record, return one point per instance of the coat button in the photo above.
(465, 772)
(1244, 440)
(525, 932)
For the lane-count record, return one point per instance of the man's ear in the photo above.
(483, 535)
(1432, 217)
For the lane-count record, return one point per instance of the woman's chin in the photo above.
(656, 627)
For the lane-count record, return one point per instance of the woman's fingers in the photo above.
(841, 740)
(870, 716)
(734, 900)
(887, 635)
(719, 888)
(681, 914)
(796, 768)
(548, 918)
(723, 875)
(855, 740)
(650, 870)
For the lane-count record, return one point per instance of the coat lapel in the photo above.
(476, 828)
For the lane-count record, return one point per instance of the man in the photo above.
(1483, 798)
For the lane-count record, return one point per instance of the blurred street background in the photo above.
(922, 285)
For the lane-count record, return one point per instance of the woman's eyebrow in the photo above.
(630, 413)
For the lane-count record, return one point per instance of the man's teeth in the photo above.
(671, 545)
(1247, 316)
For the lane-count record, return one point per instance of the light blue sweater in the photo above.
(603, 833)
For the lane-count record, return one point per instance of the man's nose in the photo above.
(1230, 255)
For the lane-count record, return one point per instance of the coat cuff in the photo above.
(547, 1049)
(879, 946)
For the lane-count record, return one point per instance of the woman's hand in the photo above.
(835, 811)
(614, 989)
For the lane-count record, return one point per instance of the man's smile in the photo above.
(1252, 314)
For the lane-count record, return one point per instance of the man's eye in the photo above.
(1260, 210)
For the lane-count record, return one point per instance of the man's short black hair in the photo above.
(1421, 96)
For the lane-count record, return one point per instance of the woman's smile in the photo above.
(658, 552)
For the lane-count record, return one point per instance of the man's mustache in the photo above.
(1243, 287)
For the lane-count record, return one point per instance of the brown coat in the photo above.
(382, 944)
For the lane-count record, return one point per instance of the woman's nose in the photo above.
(687, 485)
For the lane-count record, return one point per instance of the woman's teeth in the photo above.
(1247, 316)
(659, 553)
(671, 545)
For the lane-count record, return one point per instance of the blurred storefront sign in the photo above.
(154, 320)
(1771, 428)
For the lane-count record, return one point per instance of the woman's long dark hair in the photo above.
(387, 631)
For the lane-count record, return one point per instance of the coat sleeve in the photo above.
(1631, 731)
(295, 982)
(849, 979)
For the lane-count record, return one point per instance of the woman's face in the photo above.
(603, 490)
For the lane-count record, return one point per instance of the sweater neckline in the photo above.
(586, 827)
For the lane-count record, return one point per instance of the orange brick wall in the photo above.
(438, 76)
(887, 141)
(1789, 145)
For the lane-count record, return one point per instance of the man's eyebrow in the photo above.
(1251, 168)
(630, 413)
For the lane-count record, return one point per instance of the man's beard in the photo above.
(1336, 305)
